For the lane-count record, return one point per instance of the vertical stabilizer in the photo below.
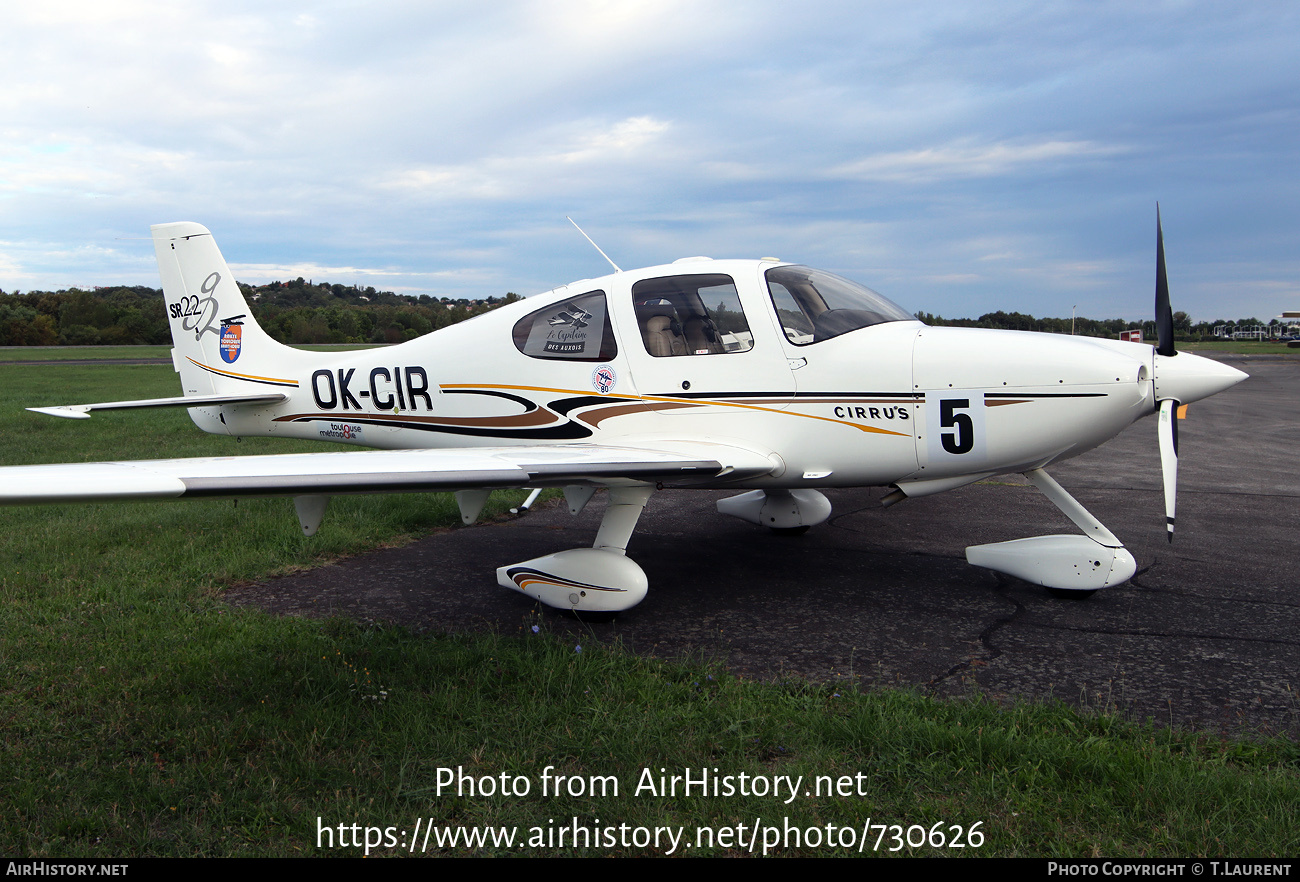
(218, 348)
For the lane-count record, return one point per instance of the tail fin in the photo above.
(218, 347)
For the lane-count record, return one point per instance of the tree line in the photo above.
(302, 311)
(297, 311)
(1184, 328)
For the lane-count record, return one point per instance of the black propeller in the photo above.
(1164, 314)
(1168, 426)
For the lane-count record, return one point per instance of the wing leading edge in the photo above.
(386, 471)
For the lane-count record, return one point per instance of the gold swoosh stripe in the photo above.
(700, 402)
(236, 376)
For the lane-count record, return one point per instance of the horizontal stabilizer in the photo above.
(82, 411)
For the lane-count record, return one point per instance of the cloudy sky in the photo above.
(959, 158)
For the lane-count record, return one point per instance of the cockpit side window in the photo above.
(576, 329)
(794, 321)
(691, 315)
(814, 306)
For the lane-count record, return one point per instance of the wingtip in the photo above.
(66, 413)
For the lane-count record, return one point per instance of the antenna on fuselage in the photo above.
(593, 244)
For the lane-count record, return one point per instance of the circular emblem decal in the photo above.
(603, 379)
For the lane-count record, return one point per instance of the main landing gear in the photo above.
(600, 579)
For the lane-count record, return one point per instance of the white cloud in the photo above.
(965, 159)
(913, 146)
(582, 149)
(247, 272)
(402, 281)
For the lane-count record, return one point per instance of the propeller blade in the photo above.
(1169, 457)
(1164, 314)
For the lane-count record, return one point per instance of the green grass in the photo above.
(140, 715)
(77, 353)
(1241, 347)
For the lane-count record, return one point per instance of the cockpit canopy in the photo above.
(690, 313)
(813, 305)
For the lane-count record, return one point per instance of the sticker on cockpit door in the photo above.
(603, 379)
(954, 424)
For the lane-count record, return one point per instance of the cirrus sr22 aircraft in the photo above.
(768, 378)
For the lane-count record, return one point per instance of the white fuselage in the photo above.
(894, 402)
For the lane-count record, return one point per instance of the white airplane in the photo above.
(758, 375)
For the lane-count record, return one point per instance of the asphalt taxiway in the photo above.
(1207, 634)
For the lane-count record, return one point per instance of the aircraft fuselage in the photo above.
(894, 401)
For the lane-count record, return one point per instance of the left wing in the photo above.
(382, 471)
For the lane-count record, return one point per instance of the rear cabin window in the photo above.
(691, 315)
(576, 329)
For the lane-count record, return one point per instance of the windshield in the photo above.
(814, 306)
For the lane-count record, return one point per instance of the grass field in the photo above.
(1241, 347)
(78, 353)
(140, 715)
